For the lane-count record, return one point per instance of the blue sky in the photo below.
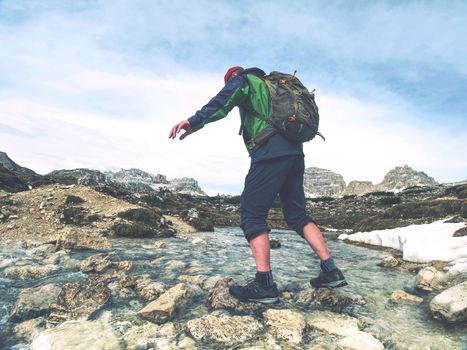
(99, 84)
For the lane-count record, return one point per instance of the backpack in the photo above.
(294, 113)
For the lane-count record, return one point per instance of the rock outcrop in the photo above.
(403, 177)
(319, 182)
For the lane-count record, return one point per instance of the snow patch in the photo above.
(421, 243)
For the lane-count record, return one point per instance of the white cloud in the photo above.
(93, 85)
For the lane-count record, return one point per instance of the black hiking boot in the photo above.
(253, 291)
(330, 279)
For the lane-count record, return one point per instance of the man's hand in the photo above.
(185, 125)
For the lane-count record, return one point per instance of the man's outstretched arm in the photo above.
(233, 94)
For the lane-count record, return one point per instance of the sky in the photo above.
(99, 84)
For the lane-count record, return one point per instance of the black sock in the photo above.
(264, 278)
(327, 265)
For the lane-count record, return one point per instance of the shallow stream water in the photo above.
(227, 254)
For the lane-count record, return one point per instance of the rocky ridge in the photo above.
(322, 182)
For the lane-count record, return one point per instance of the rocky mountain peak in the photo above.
(319, 182)
(404, 176)
(186, 185)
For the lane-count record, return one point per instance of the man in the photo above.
(277, 167)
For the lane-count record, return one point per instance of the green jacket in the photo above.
(249, 93)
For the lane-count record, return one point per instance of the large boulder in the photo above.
(34, 302)
(286, 325)
(451, 304)
(429, 279)
(79, 335)
(224, 329)
(78, 301)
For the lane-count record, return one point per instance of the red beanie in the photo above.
(230, 72)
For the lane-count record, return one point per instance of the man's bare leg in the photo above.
(331, 277)
(315, 239)
(263, 290)
(261, 252)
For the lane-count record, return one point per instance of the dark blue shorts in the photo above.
(266, 179)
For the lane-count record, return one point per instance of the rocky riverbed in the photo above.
(172, 293)
(100, 267)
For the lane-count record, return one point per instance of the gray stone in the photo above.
(79, 335)
(162, 309)
(451, 304)
(401, 297)
(29, 271)
(429, 279)
(34, 302)
(389, 261)
(224, 329)
(286, 325)
(78, 301)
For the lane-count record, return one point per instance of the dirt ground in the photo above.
(38, 214)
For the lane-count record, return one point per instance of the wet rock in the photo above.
(196, 280)
(274, 243)
(220, 298)
(175, 265)
(149, 336)
(149, 289)
(96, 263)
(361, 341)
(401, 297)
(286, 324)
(451, 304)
(332, 323)
(79, 335)
(73, 239)
(198, 241)
(224, 329)
(34, 302)
(27, 330)
(163, 309)
(41, 250)
(389, 261)
(159, 245)
(429, 279)
(78, 301)
(346, 327)
(29, 271)
(55, 257)
(336, 300)
(186, 343)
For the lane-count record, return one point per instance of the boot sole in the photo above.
(265, 300)
(334, 284)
